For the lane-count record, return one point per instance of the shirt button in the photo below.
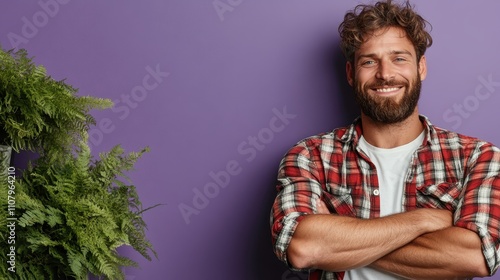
(376, 192)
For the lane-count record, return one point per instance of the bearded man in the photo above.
(391, 196)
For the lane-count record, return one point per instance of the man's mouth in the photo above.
(387, 90)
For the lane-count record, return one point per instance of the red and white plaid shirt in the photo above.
(448, 171)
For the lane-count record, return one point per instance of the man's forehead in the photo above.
(387, 40)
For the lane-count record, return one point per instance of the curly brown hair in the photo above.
(364, 20)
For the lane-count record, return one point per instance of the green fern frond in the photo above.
(32, 217)
(75, 213)
(39, 113)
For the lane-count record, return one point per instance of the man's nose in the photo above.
(385, 71)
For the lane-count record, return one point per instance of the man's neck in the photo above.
(391, 135)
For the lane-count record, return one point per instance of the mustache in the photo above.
(391, 83)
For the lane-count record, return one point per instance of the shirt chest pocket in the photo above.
(441, 196)
(339, 200)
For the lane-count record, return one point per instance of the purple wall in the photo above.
(220, 96)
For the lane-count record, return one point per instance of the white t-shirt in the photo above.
(392, 167)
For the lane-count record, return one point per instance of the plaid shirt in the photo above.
(448, 171)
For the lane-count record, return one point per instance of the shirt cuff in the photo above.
(489, 244)
(286, 229)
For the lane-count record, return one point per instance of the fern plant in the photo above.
(38, 113)
(72, 211)
(74, 215)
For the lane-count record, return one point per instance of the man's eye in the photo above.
(400, 59)
(368, 62)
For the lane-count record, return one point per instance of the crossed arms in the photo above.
(420, 244)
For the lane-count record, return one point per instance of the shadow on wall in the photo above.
(21, 160)
(334, 65)
(263, 264)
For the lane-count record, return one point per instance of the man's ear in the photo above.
(422, 67)
(349, 69)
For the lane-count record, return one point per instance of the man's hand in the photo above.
(437, 219)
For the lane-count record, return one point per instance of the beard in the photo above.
(387, 110)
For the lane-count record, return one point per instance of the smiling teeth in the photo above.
(386, 89)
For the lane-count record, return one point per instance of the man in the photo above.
(391, 196)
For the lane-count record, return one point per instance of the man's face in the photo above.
(386, 76)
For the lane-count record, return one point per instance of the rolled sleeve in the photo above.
(298, 189)
(283, 231)
(479, 209)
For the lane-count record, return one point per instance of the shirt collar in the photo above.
(352, 133)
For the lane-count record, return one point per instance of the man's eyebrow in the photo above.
(401, 52)
(367, 55)
(371, 55)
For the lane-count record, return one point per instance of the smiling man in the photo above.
(391, 196)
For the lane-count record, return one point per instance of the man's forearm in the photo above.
(452, 253)
(336, 243)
